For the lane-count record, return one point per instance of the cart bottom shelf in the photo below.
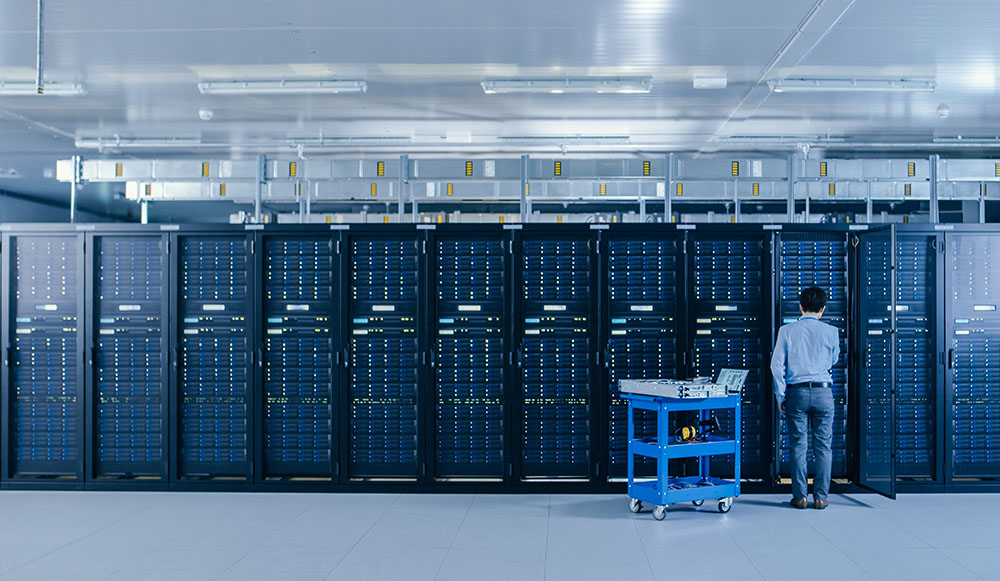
(683, 489)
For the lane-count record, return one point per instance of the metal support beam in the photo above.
(258, 185)
(40, 56)
(790, 204)
(144, 212)
(404, 178)
(525, 205)
(868, 204)
(935, 213)
(736, 200)
(982, 203)
(667, 178)
(642, 208)
(77, 163)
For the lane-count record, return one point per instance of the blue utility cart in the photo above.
(664, 490)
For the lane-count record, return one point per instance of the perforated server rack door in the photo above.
(385, 353)
(875, 399)
(468, 365)
(918, 436)
(299, 355)
(556, 276)
(127, 357)
(727, 325)
(817, 258)
(642, 270)
(43, 338)
(973, 342)
(213, 403)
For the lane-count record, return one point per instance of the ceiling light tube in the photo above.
(804, 85)
(56, 89)
(303, 87)
(569, 85)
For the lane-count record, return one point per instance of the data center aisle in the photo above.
(136, 536)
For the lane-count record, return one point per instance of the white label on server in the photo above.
(554, 307)
(704, 321)
(46, 307)
(190, 331)
(107, 331)
(965, 332)
(296, 307)
(490, 168)
(875, 332)
(984, 308)
(431, 189)
(23, 331)
(361, 331)
(447, 331)
(532, 332)
(642, 308)
(902, 308)
(274, 331)
(383, 308)
(475, 308)
(213, 307)
(617, 332)
(661, 189)
(704, 332)
(725, 308)
(129, 308)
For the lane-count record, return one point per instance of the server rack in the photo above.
(469, 376)
(212, 338)
(127, 357)
(299, 357)
(556, 314)
(973, 357)
(727, 325)
(802, 260)
(641, 322)
(386, 354)
(43, 397)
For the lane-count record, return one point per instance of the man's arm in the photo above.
(836, 348)
(778, 366)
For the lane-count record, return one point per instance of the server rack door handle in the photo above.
(951, 359)
(432, 359)
(260, 358)
(91, 360)
(520, 363)
(8, 359)
(173, 356)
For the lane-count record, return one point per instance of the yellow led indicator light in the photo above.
(848, 218)
(501, 219)
(907, 190)
(381, 168)
(756, 189)
(997, 169)
(559, 219)
(374, 189)
(439, 218)
(906, 219)
(222, 189)
(468, 168)
(204, 169)
(451, 189)
(293, 169)
(298, 190)
(833, 189)
(645, 168)
(680, 189)
(673, 219)
(385, 219)
(328, 218)
(614, 219)
(822, 169)
(911, 169)
(118, 170)
(149, 189)
(557, 168)
(736, 168)
(527, 189)
(732, 219)
(604, 189)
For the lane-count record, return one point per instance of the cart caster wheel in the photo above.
(634, 505)
(660, 512)
(725, 504)
(697, 502)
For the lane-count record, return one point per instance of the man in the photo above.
(805, 352)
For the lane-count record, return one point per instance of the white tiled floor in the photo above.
(192, 536)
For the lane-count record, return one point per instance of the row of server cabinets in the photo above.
(477, 358)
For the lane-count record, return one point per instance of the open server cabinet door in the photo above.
(875, 468)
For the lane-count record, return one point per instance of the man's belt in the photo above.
(826, 384)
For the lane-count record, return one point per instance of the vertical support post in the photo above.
(525, 205)
(302, 202)
(982, 203)
(935, 214)
(144, 212)
(668, 177)
(77, 163)
(309, 199)
(642, 209)
(868, 204)
(258, 186)
(40, 57)
(736, 199)
(790, 204)
(404, 178)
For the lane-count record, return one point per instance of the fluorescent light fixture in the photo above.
(710, 82)
(570, 85)
(24, 88)
(305, 87)
(803, 85)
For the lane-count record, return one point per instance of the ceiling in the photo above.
(141, 62)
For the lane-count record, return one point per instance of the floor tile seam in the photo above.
(363, 535)
(742, 550)
(645, 552)
(548, 529)
(957, 562)
(835, 546)
(454, 537)
(78, 539)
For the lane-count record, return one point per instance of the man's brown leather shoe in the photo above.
(821, 504)
(799, 503)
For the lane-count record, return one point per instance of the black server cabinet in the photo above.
(641, 309)
(299, 356)
(386, 355)
(213, 402)
(127, 352)
(469, 355)
(875, 402)
(727, 322)
(555, 329)
(973, 342)
(805, 259)
(43, 336)
(918, 371)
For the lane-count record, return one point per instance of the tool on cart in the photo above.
(700, 431)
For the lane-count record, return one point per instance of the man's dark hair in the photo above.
(812, 299)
